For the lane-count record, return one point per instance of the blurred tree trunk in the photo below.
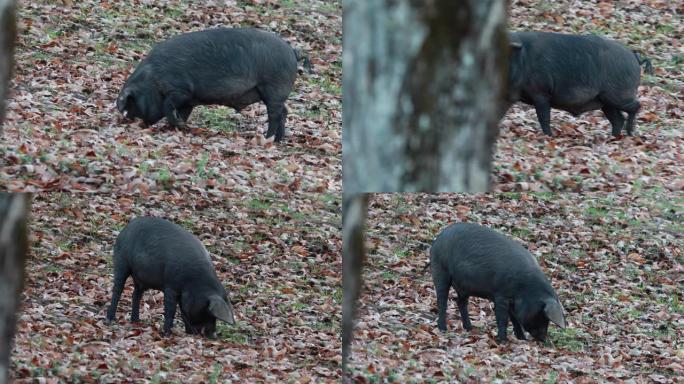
(353, 218)
(14, 210)
(8, 33)
(423, 93)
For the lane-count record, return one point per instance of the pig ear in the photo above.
(220, 309)
(554, 312)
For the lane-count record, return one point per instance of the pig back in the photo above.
(564, 62)
(159, 252)
(483, 262)
(240, 54)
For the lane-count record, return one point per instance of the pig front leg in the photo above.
(210, 329)
(184, 112)
(543, 109)
(462, 303)
(189, 329)
(631, 109)
(170, 302)
(175, 110)
(517, 329)
(501, 310)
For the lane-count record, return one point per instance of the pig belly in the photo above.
(236, 94)
(148, 271)
(148, 282)
(577, 101)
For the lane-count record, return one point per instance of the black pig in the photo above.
(478, 261)
(235, 67)
(161, 255)
(576, 74)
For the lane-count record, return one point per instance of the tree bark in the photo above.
(423, 93)
(14, 210)
(353, 220)
(8, 33)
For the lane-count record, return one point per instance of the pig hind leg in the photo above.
(631, 109)
(276, 120)
(274, 98)
(121, 273)
(442, 283)
(620, 104)
(617, 121)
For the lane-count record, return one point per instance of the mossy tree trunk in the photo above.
(423, 92)
(14, 210)
(354, 207)
(8, 33)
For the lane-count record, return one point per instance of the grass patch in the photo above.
(596, 212)
(202, 169)
(163, 176)
(53, 268)
(403, 253)
(259, 204)
(232, 333)
(219, 118)
(329, 86)
(521, 233)
(389, 275)
(567, 338)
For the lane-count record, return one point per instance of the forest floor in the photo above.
(583, 156)
(63, 131)
(278, 259)
(616, 262)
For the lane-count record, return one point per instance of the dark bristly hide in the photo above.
(163, 256)
(478, 261)
(235, 67)
(575, 74)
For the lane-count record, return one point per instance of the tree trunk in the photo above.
(423, 93)
(353, 218)
(8, 33)
(14, 210)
